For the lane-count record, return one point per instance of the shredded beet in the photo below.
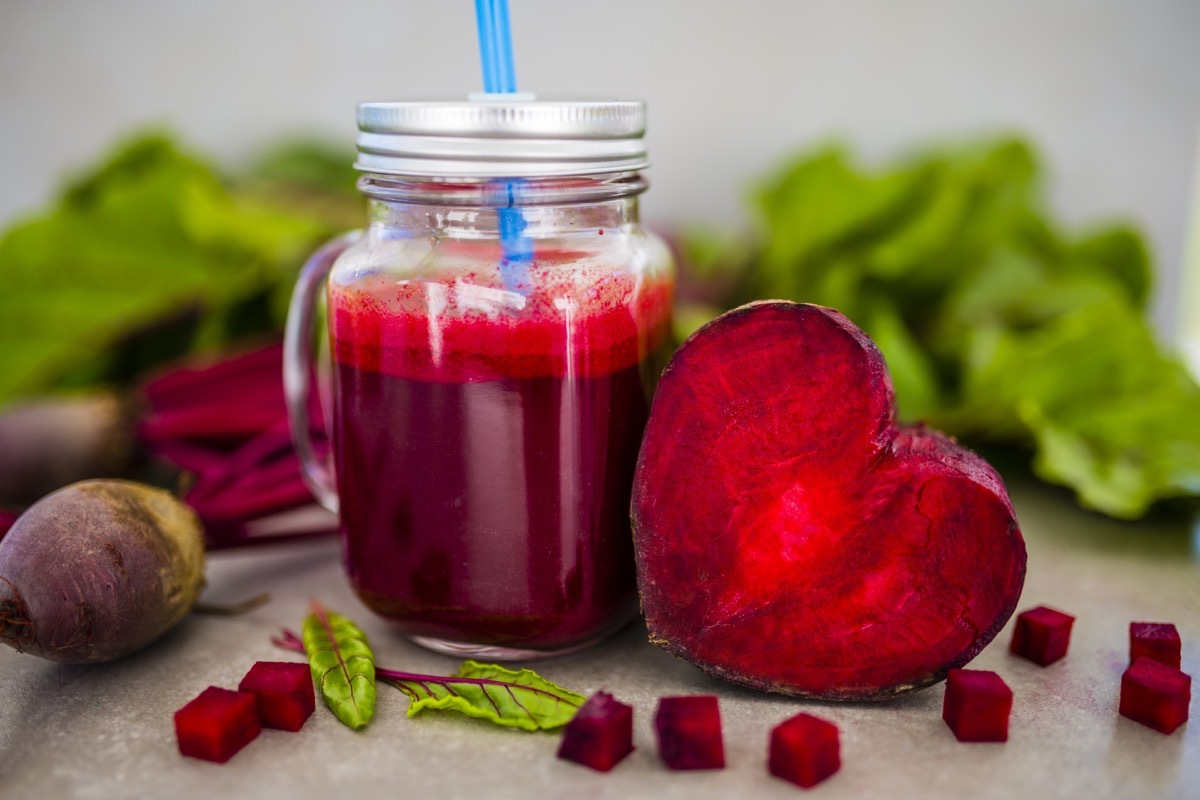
(977, 705)
(1155, 695)
(1158, 641)
(226, 423)
(600, 734)
(217, 724)
(804, 750)
(283, 692)
(790, 537)
(1042, 635)
(689, 732)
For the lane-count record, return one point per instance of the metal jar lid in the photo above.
(499, 138)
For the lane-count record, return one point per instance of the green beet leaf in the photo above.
(343, 666)
(1112, 425)
(511, 698)
(308, 163)
(997, 327)
(149, 256)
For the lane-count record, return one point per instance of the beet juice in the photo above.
(485, 468)
(495, 342)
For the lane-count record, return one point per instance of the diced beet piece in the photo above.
(1042, 635)
(600, 734)
(689, 732)
(1158, 641)
(283, 692)
(977, 705)
(1155, 695)
(804, 750)
(791, 537)
(216, 724)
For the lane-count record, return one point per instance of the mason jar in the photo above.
(495, 333)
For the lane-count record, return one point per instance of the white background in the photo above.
(1110, 90)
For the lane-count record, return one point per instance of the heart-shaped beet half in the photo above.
(791, 537)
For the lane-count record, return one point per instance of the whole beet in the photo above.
(97, 570)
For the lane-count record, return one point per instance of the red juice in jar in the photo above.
(496, 330)
(485, 454)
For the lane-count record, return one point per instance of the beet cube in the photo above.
(600, 734)
(689, 732)
(1158, 641)
(283, 692)
(804, 750)
(1042, 635)
(977, 705)
(1155, 695)
(216, 724)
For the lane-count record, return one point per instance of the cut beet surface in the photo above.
(977, 705)
(1155, 695)
(216, 724)
(689, 732)
(283, 692)
(1042, 635)
(1158, 641)
(600, 734)
(804, 750)
(790, 537)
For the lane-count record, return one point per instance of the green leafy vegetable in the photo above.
(515, 699)
(510, 698)
(342, 664)
(307, 162)
(149, 256)
(996, 325)
(1108, 420)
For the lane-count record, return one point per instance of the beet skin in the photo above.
(98, 570)
(792, 538)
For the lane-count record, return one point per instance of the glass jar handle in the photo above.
(298, 368)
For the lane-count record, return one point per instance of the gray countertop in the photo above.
(106, 731)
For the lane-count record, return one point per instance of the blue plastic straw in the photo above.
(499, 77)
(495, 46)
